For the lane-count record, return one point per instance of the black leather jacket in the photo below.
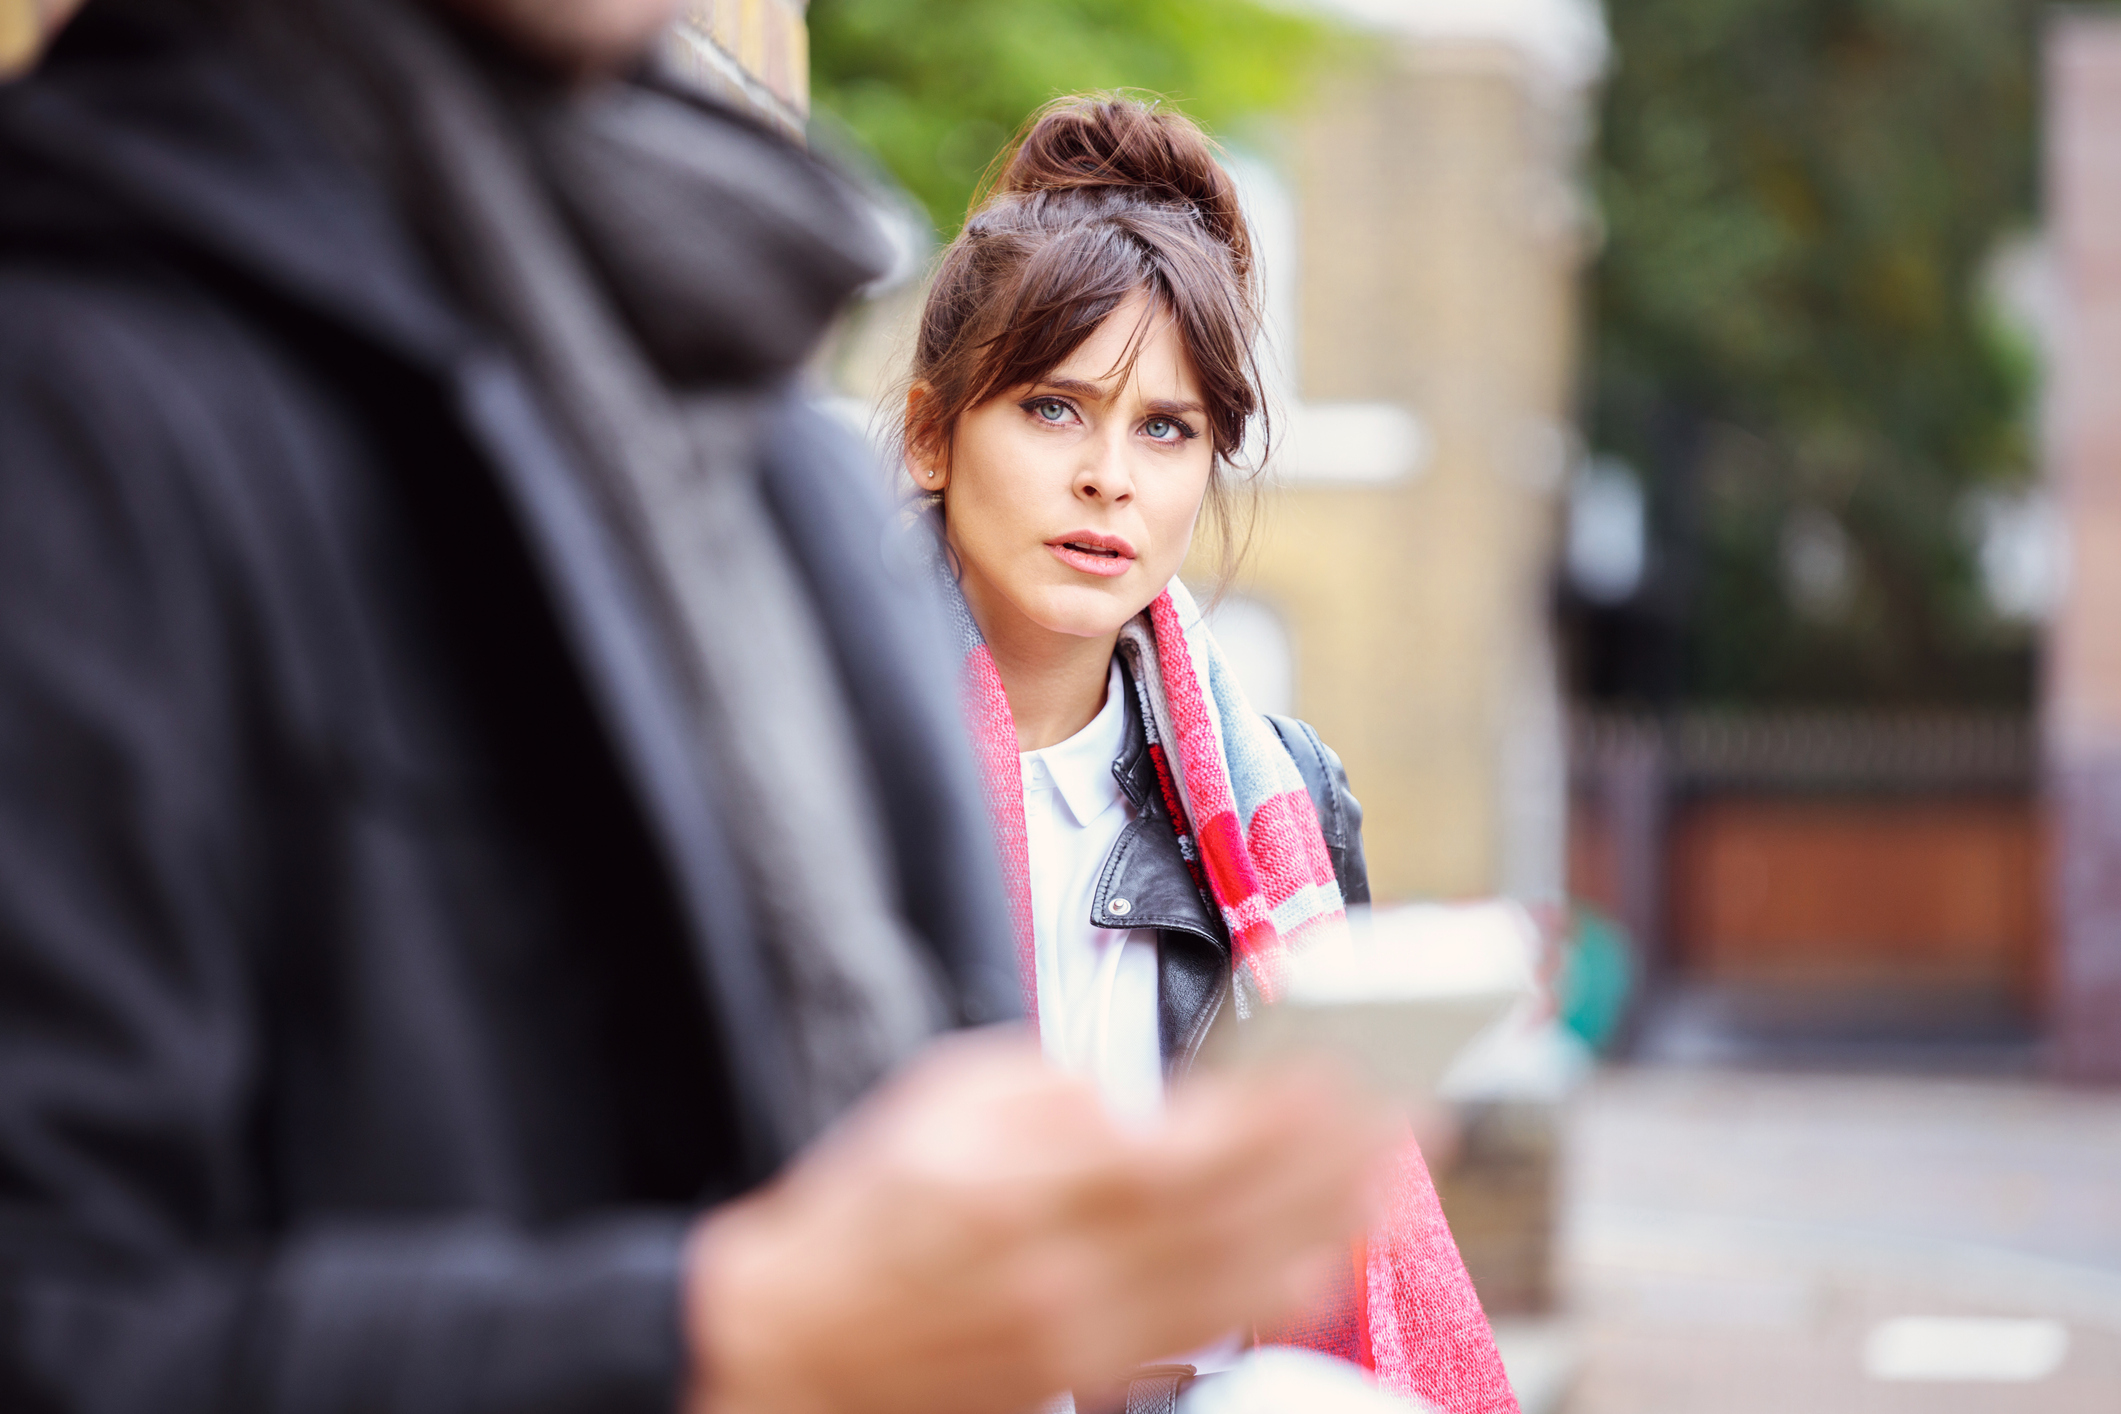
(1150, 880)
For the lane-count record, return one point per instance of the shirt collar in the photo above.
(1081, 767)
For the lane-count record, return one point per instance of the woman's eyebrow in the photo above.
(1097, 393)
(1081, 387)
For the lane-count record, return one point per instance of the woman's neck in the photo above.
(1055, 682)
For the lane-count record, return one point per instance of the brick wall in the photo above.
(2083, 705)
(1437, 256)
(755, 53)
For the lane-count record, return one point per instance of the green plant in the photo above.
(935, 87)
(1801, 199)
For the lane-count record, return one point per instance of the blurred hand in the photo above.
(1438, 1133)
(981, 1236)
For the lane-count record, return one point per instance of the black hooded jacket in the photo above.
(376, 996)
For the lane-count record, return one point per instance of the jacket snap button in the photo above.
(1119, 908)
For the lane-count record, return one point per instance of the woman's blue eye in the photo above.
(1163, 429)
(1053, 412)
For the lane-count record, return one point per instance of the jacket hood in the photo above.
(145, 131)
(148, 126)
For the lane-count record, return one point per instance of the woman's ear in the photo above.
(927, 454)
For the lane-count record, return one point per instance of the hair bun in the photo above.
(1109, 141)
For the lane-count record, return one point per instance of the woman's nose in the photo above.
(1106, 476)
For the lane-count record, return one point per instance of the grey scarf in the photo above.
(649, 269)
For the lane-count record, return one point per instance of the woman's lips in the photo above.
(1092, 553)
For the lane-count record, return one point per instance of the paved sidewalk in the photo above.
(1732, 1238)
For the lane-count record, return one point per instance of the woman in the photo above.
(1084, 375)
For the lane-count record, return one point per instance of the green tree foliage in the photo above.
(1801, 199)
(935, 87)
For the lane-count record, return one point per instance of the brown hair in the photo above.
(1098, 196)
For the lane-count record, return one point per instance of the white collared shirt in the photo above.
(1096, 986)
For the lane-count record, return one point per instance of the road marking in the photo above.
(1962, 1348)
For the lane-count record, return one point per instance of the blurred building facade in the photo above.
(1429, 310)
(753, 53)
(1422, 231)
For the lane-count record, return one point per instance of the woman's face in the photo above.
(1070, 501)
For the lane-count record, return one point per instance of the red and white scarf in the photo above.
(1404, 1307)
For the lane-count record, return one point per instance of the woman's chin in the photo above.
(1086, 612)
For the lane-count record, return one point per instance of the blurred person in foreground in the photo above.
(1083, 380)
(486, 847)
